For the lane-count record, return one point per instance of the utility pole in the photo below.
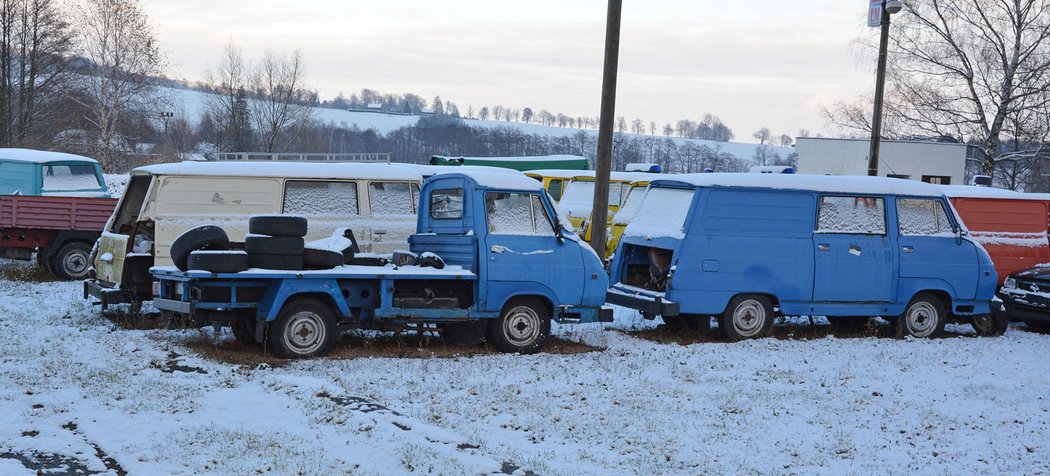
(888, 7)
(603, 162)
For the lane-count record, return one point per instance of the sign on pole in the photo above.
(874, 12)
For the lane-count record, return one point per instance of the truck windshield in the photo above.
(631, 206)
(662, 213)
(70, 178)
(578, 198)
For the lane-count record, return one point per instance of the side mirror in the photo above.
(958, 234)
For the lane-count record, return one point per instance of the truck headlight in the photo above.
(1009, 283)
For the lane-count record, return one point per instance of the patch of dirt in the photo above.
(122, 316)
(793, 330)
(354, 345)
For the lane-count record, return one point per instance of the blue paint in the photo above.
(753, 240)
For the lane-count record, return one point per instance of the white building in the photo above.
(933, 162)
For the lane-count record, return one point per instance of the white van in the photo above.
(376, 201)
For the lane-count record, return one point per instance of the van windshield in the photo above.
(631, 206)
(577, 199)
(70, 178)
(662, 213)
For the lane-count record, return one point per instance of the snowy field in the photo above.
(81, 394)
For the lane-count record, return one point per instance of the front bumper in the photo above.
(567, 314)
(105, 296)
(647, 303)
(1025, 307)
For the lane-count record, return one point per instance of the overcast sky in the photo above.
(753, 63)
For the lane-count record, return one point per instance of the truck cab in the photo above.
(509, 268)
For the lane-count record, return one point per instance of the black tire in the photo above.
(207, 237)
(990, 325)
(314, 258)
(523, 327)
(279, 262)
(848, 323)
(305, 328)
(72, 261)
(464, 333)
(273, 245)
(277, 225)
(924, 317)
(243, 327)
(218, 261)
(747, 317)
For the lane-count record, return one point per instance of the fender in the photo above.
(499, 293)
(276, 295)
(66, 236)
(907, 288)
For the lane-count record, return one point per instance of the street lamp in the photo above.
(888, 8)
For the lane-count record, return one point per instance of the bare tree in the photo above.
(785, 140)
(36, 40)
(526, 114)
(278, 107)
(229, 106)
(484, 113)
(118, 42)
(762, 135)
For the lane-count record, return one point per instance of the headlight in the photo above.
(1009, 283)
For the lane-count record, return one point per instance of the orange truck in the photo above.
(1012, 226)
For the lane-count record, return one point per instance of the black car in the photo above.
(1026, 296)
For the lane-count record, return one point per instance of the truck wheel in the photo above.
(305, 328)
(747, 317)
(218, 261)
(206, 237)
(277, 225)
(990, 325)
(71, 261)
(924, 317)
(523, 327)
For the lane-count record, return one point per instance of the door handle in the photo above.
(823, 247)
(379, 232)
(908, 249)
(498, 249)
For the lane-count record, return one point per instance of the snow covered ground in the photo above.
(81, 393)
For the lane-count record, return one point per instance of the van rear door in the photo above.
(854, 255)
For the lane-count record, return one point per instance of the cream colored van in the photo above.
(377, 201)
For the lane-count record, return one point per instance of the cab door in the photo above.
(524, 254)
(854, 254)
(929, 249)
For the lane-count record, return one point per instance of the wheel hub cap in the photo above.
(522, 326)
(305, 333)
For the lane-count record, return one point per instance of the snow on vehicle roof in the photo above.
(556, 173)
(535, 158)
(497, 180)
(428, 170)
(42, 156)
(970, 191)
(619, 176)
(336, 170)
(819, 183)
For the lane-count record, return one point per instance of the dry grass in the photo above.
(123, 317)
(353, 346)
(793, 330)
(28, 271)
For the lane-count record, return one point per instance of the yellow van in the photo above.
(376, 201)
(578, 199)
(631, 202)
(554, 181)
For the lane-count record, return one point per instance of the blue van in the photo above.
(747, 247)
(38, 173)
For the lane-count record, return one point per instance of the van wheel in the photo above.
(523, 327)
(72, 261)
(990, 325)
(924, 317)
(305, 328)
(747, 317)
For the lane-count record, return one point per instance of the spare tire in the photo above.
(280, 262)
(206, 237)
(218, 261)
(315, 258)
(277, 225)
(273, 245)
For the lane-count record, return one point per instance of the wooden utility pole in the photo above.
(603, 162)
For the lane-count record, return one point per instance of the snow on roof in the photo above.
(42, 156)
(428, 170)
(498, 180)
(557, 173)
(820, 183)
(969, 191)
(537, 158)
(620, 176)
(338, 170)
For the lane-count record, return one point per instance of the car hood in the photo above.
(1038, 272)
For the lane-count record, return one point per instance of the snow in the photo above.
(429, 170)
(42, 156)
(796, 405)
(556, 173)
(630, 206)
(662, 214)
(852, 215)
(501, 181)
(577, 201)
(1029, 240)
(340, 170)
(969, 191)
(535, 158)
(346, 271)
(820, 183)
(337, 244)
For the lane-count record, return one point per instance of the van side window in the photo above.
(852, 215)
(555, 189)
(517, 214)
(446, 204)
(320, 198)
(391, 198)
(922, 217)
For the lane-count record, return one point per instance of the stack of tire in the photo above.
(207, 248)
(275, 242)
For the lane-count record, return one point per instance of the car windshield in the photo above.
(662, 213)
(631, 206)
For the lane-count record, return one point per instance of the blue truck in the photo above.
(511, 267)
(747, 247)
